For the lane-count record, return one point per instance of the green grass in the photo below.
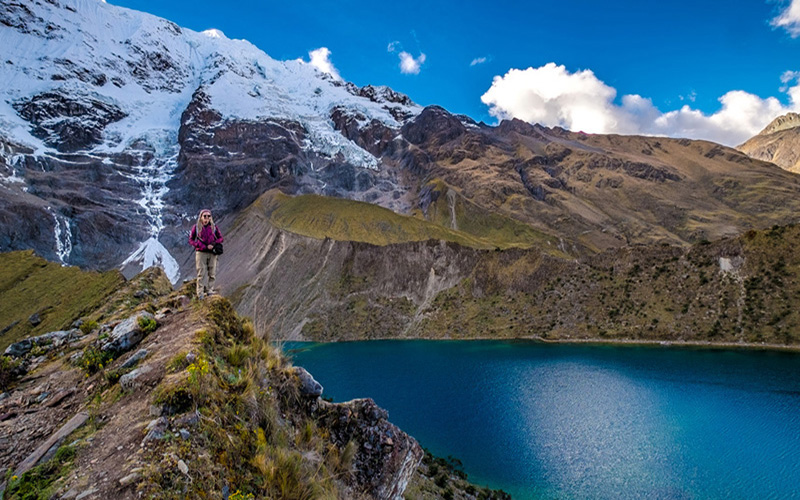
(498, 230)
(30, 284)
(347, 220)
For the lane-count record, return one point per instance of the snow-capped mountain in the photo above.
(112, 124)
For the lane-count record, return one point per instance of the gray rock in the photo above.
(157, 429)
(133, 360)
(184, 434)
(19, 349)
(9, 327)
(188, 420)
(129, 381)
(54, 339)
(86, 494)
(129, 479)
(127, 334)
(35, 319)
(70, 495)
(309, 387)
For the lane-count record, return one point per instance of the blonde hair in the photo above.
(199, 226)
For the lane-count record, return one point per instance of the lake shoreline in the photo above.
(592, 341)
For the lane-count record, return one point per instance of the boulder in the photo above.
(309, 387)
(133, 360)
(19, 349)
(35, 319)
(156, 430)
(126, 335)
(131, 381)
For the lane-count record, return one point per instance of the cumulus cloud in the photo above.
(477, 61)
(409, 64)
(579, 101)
(321, 59)
(789, 19)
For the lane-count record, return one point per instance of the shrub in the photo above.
(147, 325)
(88, 327)
(94, 359)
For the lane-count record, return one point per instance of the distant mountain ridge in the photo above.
(778, 143)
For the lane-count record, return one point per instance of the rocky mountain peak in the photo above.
(778, 143)
(783, 122)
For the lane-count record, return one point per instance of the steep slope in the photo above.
(37, 296)
(778, 143)
(189, 404)
(736, 290)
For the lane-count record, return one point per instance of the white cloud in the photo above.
(409, 64)
(579, 101)
(477, 61)
(789, 19)
(321, 59)
(393, 46)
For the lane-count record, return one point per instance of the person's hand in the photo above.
(210, 247)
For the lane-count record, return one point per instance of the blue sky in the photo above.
(717, 70)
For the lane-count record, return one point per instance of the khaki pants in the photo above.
(206, 265)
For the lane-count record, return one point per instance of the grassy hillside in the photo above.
(452, 210)
(58, 295)
(347, 220)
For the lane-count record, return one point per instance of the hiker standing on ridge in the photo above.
(207, 242)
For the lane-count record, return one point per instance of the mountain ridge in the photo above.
(779, 143)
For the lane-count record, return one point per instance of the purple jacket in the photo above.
(207, 237)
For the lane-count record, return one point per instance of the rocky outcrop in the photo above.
(433, 127)
(68, 122)
(386, 457)
(46, 342)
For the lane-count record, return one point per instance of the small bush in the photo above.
(178, 362)
(88, 327)
(94, 359)
(147, 325)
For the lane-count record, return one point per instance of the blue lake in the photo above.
(567, 421)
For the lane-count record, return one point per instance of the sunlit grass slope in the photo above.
(347, 220)
(29, 285)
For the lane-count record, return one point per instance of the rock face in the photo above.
(778, 143)
(66, 122)
(386, 457)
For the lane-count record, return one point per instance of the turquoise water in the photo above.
(585, 422)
